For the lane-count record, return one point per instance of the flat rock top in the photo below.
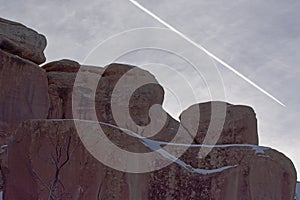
(221, 122)
(22, 41)
(64, 65)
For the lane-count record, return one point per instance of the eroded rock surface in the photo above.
(46, 159)
(23, 93)
(64, 65)
(234, 172)
(134, 109)
(62, 74)
(239, 123)
(20, 40)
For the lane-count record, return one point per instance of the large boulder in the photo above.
(23, 91)
(228, 124)
(61, 77)
(124, 82)
(64, 65)
(22, 41)
(47, 160)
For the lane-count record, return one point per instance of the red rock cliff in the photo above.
(48, 159)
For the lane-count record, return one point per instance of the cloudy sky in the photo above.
(260, 39)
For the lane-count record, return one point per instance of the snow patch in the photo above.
(156, 146)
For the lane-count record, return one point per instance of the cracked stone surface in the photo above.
(32, 170)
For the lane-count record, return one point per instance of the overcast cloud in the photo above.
(261, 39)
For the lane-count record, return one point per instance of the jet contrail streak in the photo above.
(205, 50)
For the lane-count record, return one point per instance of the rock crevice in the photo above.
(43, 156)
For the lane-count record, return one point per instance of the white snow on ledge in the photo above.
(156, 146)
(257, 149)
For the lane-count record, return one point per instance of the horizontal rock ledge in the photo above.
(234, 172)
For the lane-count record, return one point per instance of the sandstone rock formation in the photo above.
(23, 84)
(19, 40)
(61, 77)
(47, 159)
(64, 65)
(240, 124)
(60, 81)
(23, 93)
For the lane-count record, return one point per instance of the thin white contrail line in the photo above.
(205, 50)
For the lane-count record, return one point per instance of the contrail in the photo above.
(205, 50)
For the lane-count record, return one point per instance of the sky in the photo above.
(260, 39)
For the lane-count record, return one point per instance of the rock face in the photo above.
(64, 65)
(49, 159)
(61, 77)
(23, 84)
(140, 99)
(62, 74)
(240, 124)
(48, 177)
(23, 92)
(41, 167)
(19, 40)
